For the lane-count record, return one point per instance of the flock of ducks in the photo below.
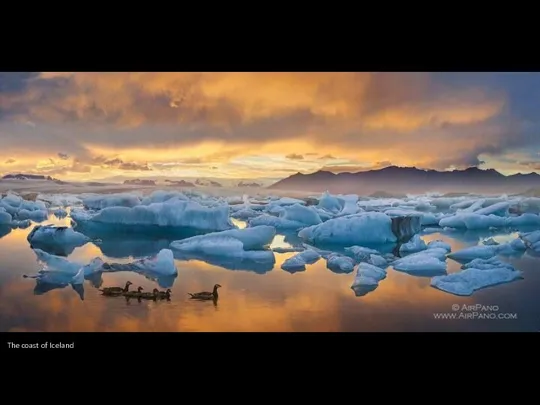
(156, 294)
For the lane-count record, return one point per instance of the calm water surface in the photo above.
(253, 298)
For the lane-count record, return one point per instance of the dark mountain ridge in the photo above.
(409, 180)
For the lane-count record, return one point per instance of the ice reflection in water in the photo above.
(254, 297)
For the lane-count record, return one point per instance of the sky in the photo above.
(99, 125)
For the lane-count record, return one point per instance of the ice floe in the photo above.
(299, 261)
(339, 263)
(54, 239)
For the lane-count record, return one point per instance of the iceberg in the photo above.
(366, 228)
(422, 262)
(62, 265)
(481, 252)
(416, 244)
(169, 214)
(60, 213)
(439, 244)
(161, 196)
(468, 281)
(530, 238)
(377, 261)
(490, 242)
(256, 238)
(294, 216)
(99, 202)
(368, 275)
(487, 264)
(287, 249)
(50, 237)
(299, 261)
(360, 253)
(5, 217)
(331, 203)
(473, 221)
(524, 220)
(339, 263)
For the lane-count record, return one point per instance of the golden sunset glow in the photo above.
(86, 126)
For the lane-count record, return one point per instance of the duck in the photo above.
(116, 290)
(134, 294)
(163, 294)
(206, 295)
(149, 296)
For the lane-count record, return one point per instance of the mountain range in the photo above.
(403, 180)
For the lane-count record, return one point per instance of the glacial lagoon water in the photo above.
(256, 298)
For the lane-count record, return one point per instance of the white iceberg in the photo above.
(256, 238)
(524, 220)
(366, 228)
(60, 213)
(473, 221)
(416, 244)
(360, 253)
(420, 262)
(161, 196)
(56, 235)
(62, 265)
(481, 252)
(468, 281)
(162, 263)
(5, 217)
(174, 214)
(299, 261)
(330, 203)
(490, 242)
(290, 217)
(487, 264)
(368, 275)
(378, 261)
(339, 263)
(439, 244)
(101, 201)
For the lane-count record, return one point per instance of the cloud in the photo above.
(327, 157)
(431, 120)
(294, 156)
(10, 161)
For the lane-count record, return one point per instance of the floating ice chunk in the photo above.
(349, 204)
(161, 196)
(378, 261)
(416, 244)
(60, 213)
(162, 263)
(299, 261)
(428, 231)
(468, 281)
(365, 228)
(530, 238)
(368, 275)
(37, 216)
(339, 263)
(404, 227)
(5, 217)
(175, 213)
(360, 253)
(536, 247)
(287, 249)
(490, 242)
(486, 264)
(481, 252)
(245, 213)
(324, 253)
(499, 209)
(523, 220)
(283, 201)
(420, 262)
(21, 224)
(56, 235)
(518, 244)
(60, 200)
(439, 244)
(61, 264)
(306, 216)
(99, 202)
(255, 238)
(331, 203)
(473, 221)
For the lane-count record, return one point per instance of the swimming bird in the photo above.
(150, 296)
(134, 294)
(116, 290)
(206, 295)
(163, 294)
